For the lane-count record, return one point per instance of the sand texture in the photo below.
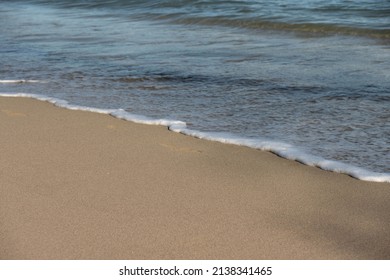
(81, 185)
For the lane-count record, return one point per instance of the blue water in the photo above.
(309, 80)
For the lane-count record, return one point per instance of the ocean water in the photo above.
(307, 80)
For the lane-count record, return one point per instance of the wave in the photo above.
(309, 28)
(320, 18)
(20, 81)
(281, 149)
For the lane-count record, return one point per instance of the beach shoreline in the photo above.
(82, 185)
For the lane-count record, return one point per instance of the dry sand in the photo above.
(80, 185)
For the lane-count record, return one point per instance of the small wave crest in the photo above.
(20, 81)
(281, 149)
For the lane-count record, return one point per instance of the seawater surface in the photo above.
(308, 80)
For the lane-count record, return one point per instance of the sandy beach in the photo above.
(81, 185)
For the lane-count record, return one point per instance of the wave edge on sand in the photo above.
(281, 149)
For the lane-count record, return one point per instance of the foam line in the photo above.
(282, 149)
(20, 81)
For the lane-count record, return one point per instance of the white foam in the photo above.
(122, 114)
(282, 149)
(20, 81)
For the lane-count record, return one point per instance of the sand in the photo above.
(81, 185)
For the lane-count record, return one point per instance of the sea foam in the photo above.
(281, 149)
(20, 81)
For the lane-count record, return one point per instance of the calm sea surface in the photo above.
(309, 80)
